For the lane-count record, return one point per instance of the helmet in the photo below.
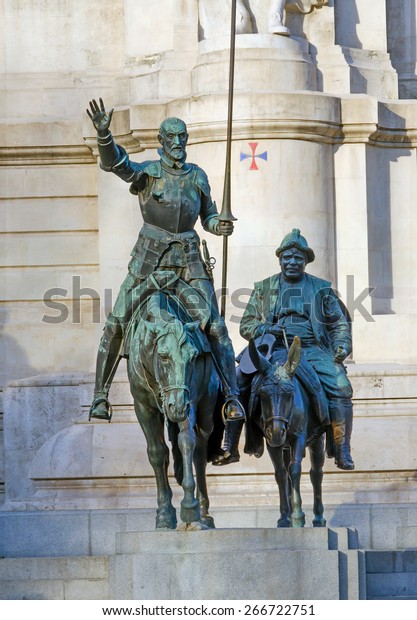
(294, 239)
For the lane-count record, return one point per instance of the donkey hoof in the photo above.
(166, 518)
(319, 522)
(298, 521)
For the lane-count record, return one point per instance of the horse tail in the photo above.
(173, 432)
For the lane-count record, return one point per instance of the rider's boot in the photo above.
(108, 358)
(232, 432)
(341, 416)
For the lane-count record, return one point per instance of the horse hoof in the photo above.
(166, 518)
(190, 514)
(284, 523)
(195, 526)
(208, 522)
(319, 522)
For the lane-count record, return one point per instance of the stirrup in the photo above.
(238, 414)
(102, 416)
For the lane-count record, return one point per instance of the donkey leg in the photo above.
(281, 478)
(158, 455)
(298, 516)
(190, 510)
(317, 457)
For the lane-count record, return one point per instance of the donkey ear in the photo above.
(258, 360)
(294, 356)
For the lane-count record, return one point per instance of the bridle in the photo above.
(162, 390)
(275, 418)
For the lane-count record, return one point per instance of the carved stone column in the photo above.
(402, 44)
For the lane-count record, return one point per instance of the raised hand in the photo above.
(99, 117)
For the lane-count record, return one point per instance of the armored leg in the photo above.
(341, 418)
(108, 358)
(223, 353)
(222, 350)
(233, 428)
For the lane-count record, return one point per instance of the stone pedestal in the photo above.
(262, 62)
(238, 564)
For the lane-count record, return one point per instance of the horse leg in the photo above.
(281, 477)
(200, 462)
(317, 457)
(297, 516)
(158, 454)
(190, 510)
(205, 428)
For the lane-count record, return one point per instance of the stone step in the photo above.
(391, 575)
(239, 539)
(75, 578)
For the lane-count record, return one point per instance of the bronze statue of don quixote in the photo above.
(181, 364)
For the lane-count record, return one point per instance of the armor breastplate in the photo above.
(171, 202)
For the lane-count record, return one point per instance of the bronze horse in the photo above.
(173, 384)
(280, 413)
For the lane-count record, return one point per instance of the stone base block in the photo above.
(236, 564)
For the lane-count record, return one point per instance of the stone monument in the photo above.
(323, 140)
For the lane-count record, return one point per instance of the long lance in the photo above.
(226, 211)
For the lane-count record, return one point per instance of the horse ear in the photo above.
(294, 356)
(258, 360)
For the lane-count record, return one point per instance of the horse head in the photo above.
(275, 390)
(174, 356)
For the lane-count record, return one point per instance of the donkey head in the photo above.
(275, 391)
